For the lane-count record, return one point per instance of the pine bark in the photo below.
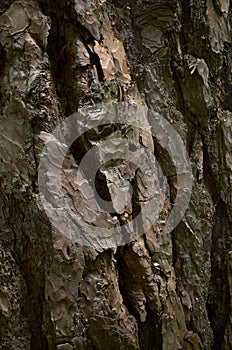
(162, 290)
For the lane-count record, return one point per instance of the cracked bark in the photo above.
(162, 291)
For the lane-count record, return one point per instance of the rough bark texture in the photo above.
(162, 291)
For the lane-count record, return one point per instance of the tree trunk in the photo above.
(138, 256)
